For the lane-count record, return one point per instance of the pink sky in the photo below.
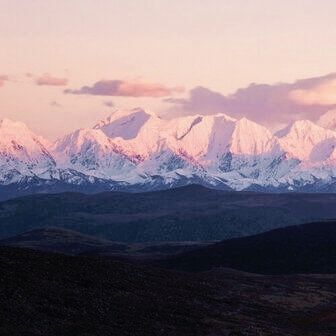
(57, 55)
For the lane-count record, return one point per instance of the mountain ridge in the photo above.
(137, 150)
(191, 213)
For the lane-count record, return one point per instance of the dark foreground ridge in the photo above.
(307, 248)
(53, 294)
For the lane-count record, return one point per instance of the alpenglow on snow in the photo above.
(137, 150)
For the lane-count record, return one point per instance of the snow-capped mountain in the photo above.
(22, 153)
(91, 152)
(328, 120)
(137, 150)
(301, 138)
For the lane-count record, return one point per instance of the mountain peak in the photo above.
(328, 120)
(305, 127)
(74, 141)
(300, 138)
(9, 124)
(22, 153)
(116, 114)
(250, 138)
(124, 123)
(301, 128)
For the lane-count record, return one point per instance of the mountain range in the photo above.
(136, 150)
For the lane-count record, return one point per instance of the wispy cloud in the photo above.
(47, 79)
(54, 103)
(320, 94)
(108, 103)
(125, 89)
(3, 79)
(268, 104)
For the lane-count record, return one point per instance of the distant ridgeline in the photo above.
(191, 213)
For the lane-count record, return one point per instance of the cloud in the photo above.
(54, 103)
(108, 103)
(322, 94)
(47, 79)
(3, 79)
(276, 104)
(125, 89)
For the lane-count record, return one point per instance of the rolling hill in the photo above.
(307, 248)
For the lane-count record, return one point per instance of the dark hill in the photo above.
(54, 294)
(308, 248)
(191, 213)
(60, 240)
(74, 243)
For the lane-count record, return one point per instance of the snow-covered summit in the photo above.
(22, 152)
(136, 148)
(328, 120)
(91, 152)
(125, 124)
(300, 138)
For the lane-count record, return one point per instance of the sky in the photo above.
(65, 64)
